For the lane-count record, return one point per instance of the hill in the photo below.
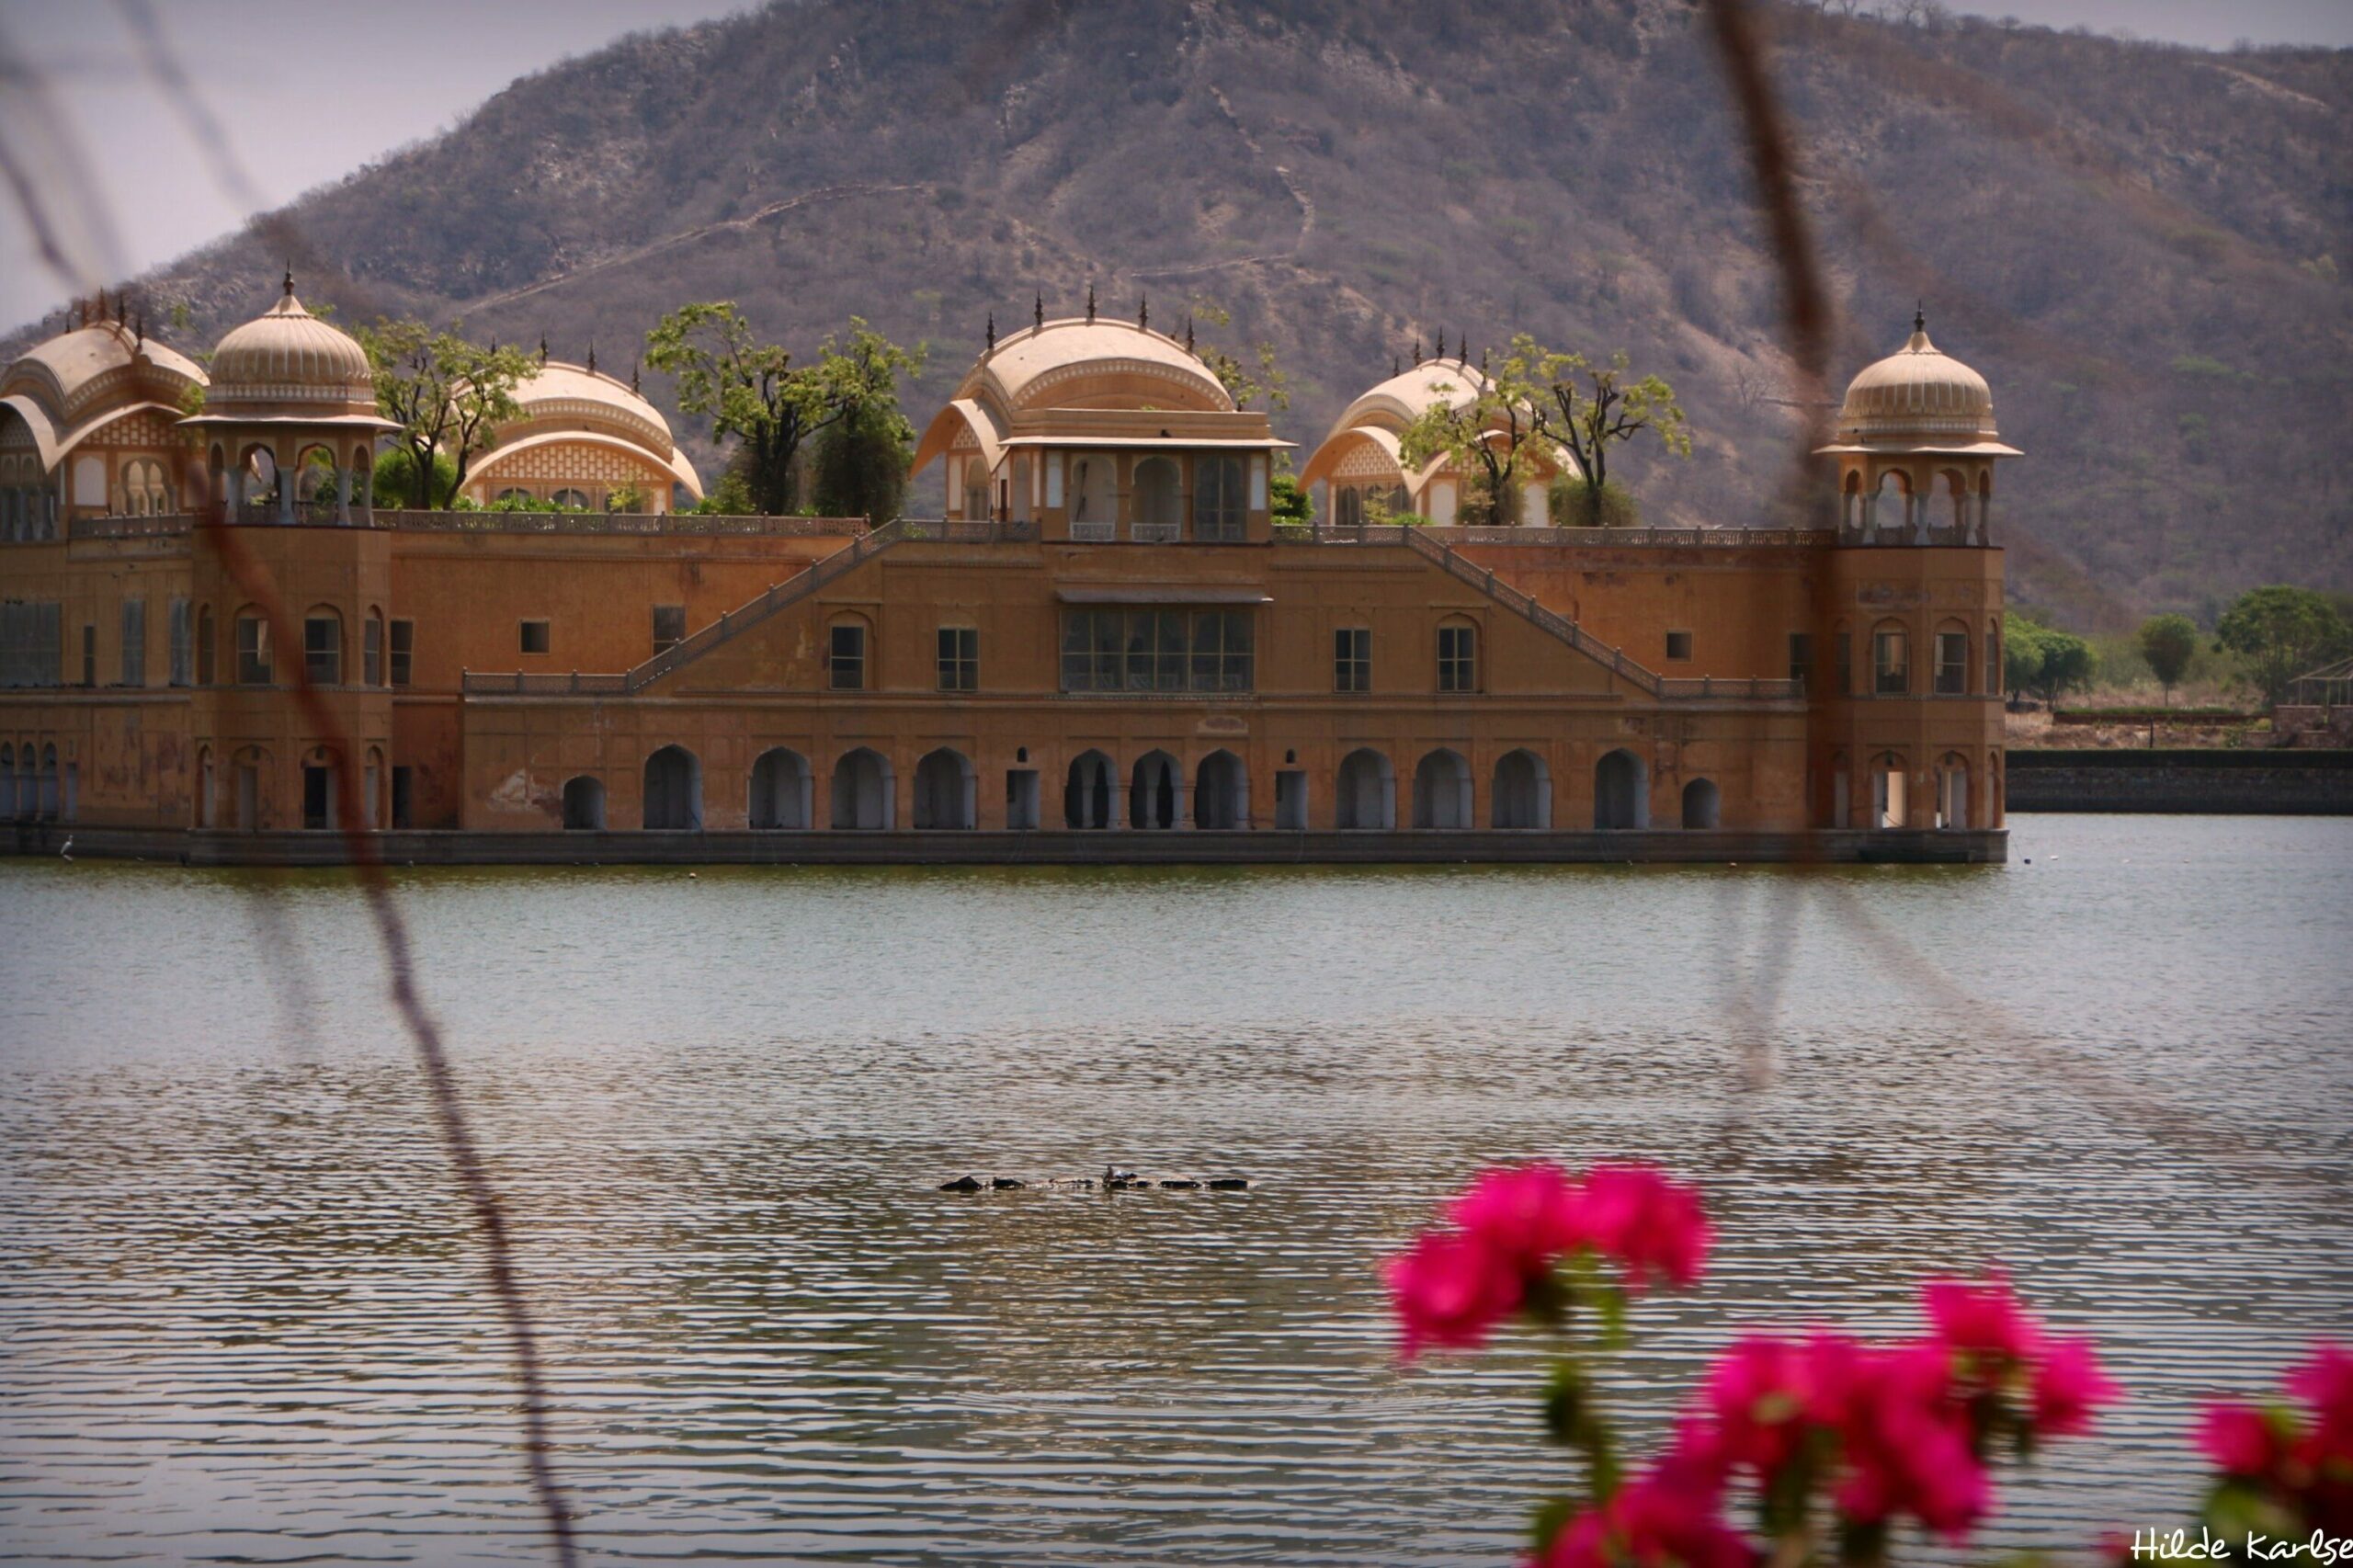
(2131, 241)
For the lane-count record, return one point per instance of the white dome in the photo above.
(1919, 391)
(288, 356)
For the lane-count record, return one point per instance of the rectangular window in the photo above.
(669, 626)
(371, 651)
(1891, 664)
(30, 653)
(1678, 646)
(1217, 500)
(1157, 650)
(1458, 658)
(1352, 659)
(846, 657)
(318, 798)
(323, 650)
(134, 642)
(1953, 664)
(960, 658)
(89, 654)
(1846, 664)
(1800, 658)
(252, 650)
(404, 651)
(182, 663)
(533, 636)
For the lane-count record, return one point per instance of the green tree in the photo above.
(2043, 661)
(1494, 434)
(2168, 642)
(1290, 506)
(1588, 408)
(756, 395)
(860, 467)
(448, 395)
(396, 476)
(2281, 633)
(1242, 384)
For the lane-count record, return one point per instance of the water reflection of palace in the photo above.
(1109, 633)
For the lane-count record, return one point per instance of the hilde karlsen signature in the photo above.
(2178, 1546)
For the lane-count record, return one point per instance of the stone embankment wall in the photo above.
(2272, 782)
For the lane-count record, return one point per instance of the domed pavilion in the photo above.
(1915, 445)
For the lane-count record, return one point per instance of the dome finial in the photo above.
(991, 332)
(1038, 312)
(1143, 311)
(1090, 304)
(289, 276)
(592, 355)
(1920, 315)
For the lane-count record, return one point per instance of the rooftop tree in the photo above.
(1588, 408)
(448, 395)
(754, 393)
(1494, 433)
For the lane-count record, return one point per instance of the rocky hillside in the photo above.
(2138, 244)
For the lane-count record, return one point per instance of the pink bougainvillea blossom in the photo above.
(1904, 1444)
(1649, 1225)
(1450, 1290)
(1527, 1214)
(2068, 1386)
(1979, 1317)
(1656, 1521)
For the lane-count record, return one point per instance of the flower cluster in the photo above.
(1514, 1224)
(2286, 1469)
(1878, 1436)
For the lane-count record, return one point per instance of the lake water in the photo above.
(241, 1318)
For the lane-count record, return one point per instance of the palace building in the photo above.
(1110, 647)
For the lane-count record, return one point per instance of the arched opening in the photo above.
(946, 790)
(673, 792)
(1159, 504)
(1998, 804)
(1702, 804)
(1889, 781)
(571, 500)
(46, 800)
(1442, 790)
(583, 804)
(1621, 789)
(1221, 793)
(1086, 798)
(1952, 791)
(1957, 495)
(1522, 795)
(1890, 506)
(1985, 518)
(1155, 792)
(1367, 794)
(1851, 509)
(7, 781)
(862, 788)
(780, 790)
(1094, 507)
(250, 766)
(371, 780)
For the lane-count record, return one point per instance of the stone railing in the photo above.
(168, 525)
(1155, 533)
(632, 523)
(1717, 539)
(1093, 533)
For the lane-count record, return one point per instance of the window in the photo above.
(1891, 664)
(960, 658)
(1678, 646)
(1217, 499)
(204, 650)
(534, 636)
(403, 784)
(1352, 659)
(134, 642)
(1801, 657)
(89, 654)
(1953, 664)
(669, 626)
(252, 650)
(30, 643)
(403, 657)
(1458, 658)
(845, 656)
(1157, 650)
(371, 651)
(322, 650)
(1846, 664)
(576, 500)
(178, 660)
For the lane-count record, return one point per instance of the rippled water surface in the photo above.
(241, 1319)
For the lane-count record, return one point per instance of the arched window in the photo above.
(1367, 793)
(1850, 511)
(515, 495)
(1952, 659)
(1458, 657)
(1221, 793)
(323, 646)
(1952, 791)
(673, 790)
(1890, 659)
(1702, 803)
(781, 790)
(574, 500)
(1218, 499)
(862, 792)
(1621, 789)
(1522, 795)
(1155, 794)
(1442, 790)
(1159, 503)
(1890, 784)
(46, 801)
(254, 663)
(250, 768)
(584, 803)
(946, 790)
(1086, 797)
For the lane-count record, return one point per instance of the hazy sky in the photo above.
(307, 90)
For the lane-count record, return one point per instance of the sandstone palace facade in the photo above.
(1106, 649)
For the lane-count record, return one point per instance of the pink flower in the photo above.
(1449, 1291)
(1656, 1521)
(1906, 1444)
(1764, 1395)
(1649, 1224)
(1527, 1214)
(2068, 1386)
(2241, 1439)
(2325, 1384)
(1980, 1319)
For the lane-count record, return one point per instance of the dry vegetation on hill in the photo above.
(2126, 238)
